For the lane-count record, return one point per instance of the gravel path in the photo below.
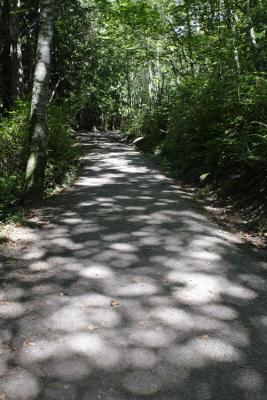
(125, 291)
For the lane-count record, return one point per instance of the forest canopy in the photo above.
(187, 76)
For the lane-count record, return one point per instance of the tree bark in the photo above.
(150, 85)
(252, 34)
(11, 57)
(259, 63)
(15, 51)
(35, 171)
(5, 56)
(189, 35)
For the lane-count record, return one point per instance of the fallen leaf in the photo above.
(136, 280)
(115, 303)
(138, 140)
(204, 337)
(3, 396)
(203, 177)
(91, 328)
(5, 348)
(28, 343)
(143, 323)
(2, 302)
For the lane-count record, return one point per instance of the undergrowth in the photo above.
(62, 156)
(203, 140)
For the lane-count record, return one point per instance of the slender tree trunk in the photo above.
(11, 57)
(150, 85)
(158, 70)
(231, 22)
(259, 64)
(252, 34)
(35, 172)
(189, 34)
(129, 88)
(5, 56)
(15, 51)
(129, 94)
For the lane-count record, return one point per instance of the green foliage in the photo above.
(217, 135)
(13, 139)
(13, 150)
(188, 76)
(62, 155)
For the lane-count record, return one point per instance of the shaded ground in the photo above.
(246, 218)
(127, 292)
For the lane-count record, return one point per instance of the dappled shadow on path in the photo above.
(127, 292)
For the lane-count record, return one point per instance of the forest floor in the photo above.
(243, 215)
(120, 288)
(230, 213)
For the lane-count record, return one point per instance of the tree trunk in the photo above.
(35, 171)
(129, 88)
(231, 19)
(5, 56)
(15, 51)
(189, 35)
(259, 64)
(11, 57)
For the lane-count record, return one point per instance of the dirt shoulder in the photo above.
(229, 213)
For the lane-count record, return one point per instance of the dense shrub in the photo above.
(210, 135)
(62, 156)
(63, 153)
(206, 134)
(13, 155)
